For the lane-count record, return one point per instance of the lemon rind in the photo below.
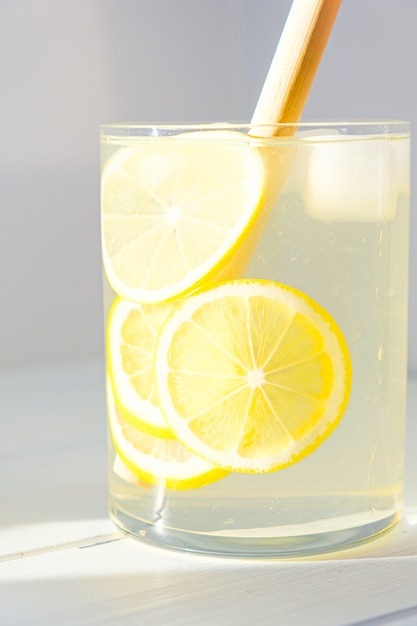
(299, 450)
(207, 271)
(140, 413)
(202, 474)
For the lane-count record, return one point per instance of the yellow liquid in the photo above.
(349, 488)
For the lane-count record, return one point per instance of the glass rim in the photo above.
(379, 126)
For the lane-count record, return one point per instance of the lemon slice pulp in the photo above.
(252, 375)
(176, 209)
(158, 461)
(132, 331)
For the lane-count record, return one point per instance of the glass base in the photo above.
(278, 542)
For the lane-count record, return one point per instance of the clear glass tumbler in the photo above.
(256, 333)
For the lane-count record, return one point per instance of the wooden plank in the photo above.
(128, 582)
(53, 459)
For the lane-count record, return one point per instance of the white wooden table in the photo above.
(62, 562)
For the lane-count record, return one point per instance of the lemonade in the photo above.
(256, 331)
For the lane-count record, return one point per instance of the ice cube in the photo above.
(351, 179)
(401, 147)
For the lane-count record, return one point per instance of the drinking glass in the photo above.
(255, 293)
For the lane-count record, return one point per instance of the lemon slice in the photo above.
(252, 375)
(175, 209)
(158, 461)
(132, 331)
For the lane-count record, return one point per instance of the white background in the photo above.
(68, 66)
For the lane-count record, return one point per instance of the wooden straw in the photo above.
(294, 65)
(281, 101)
